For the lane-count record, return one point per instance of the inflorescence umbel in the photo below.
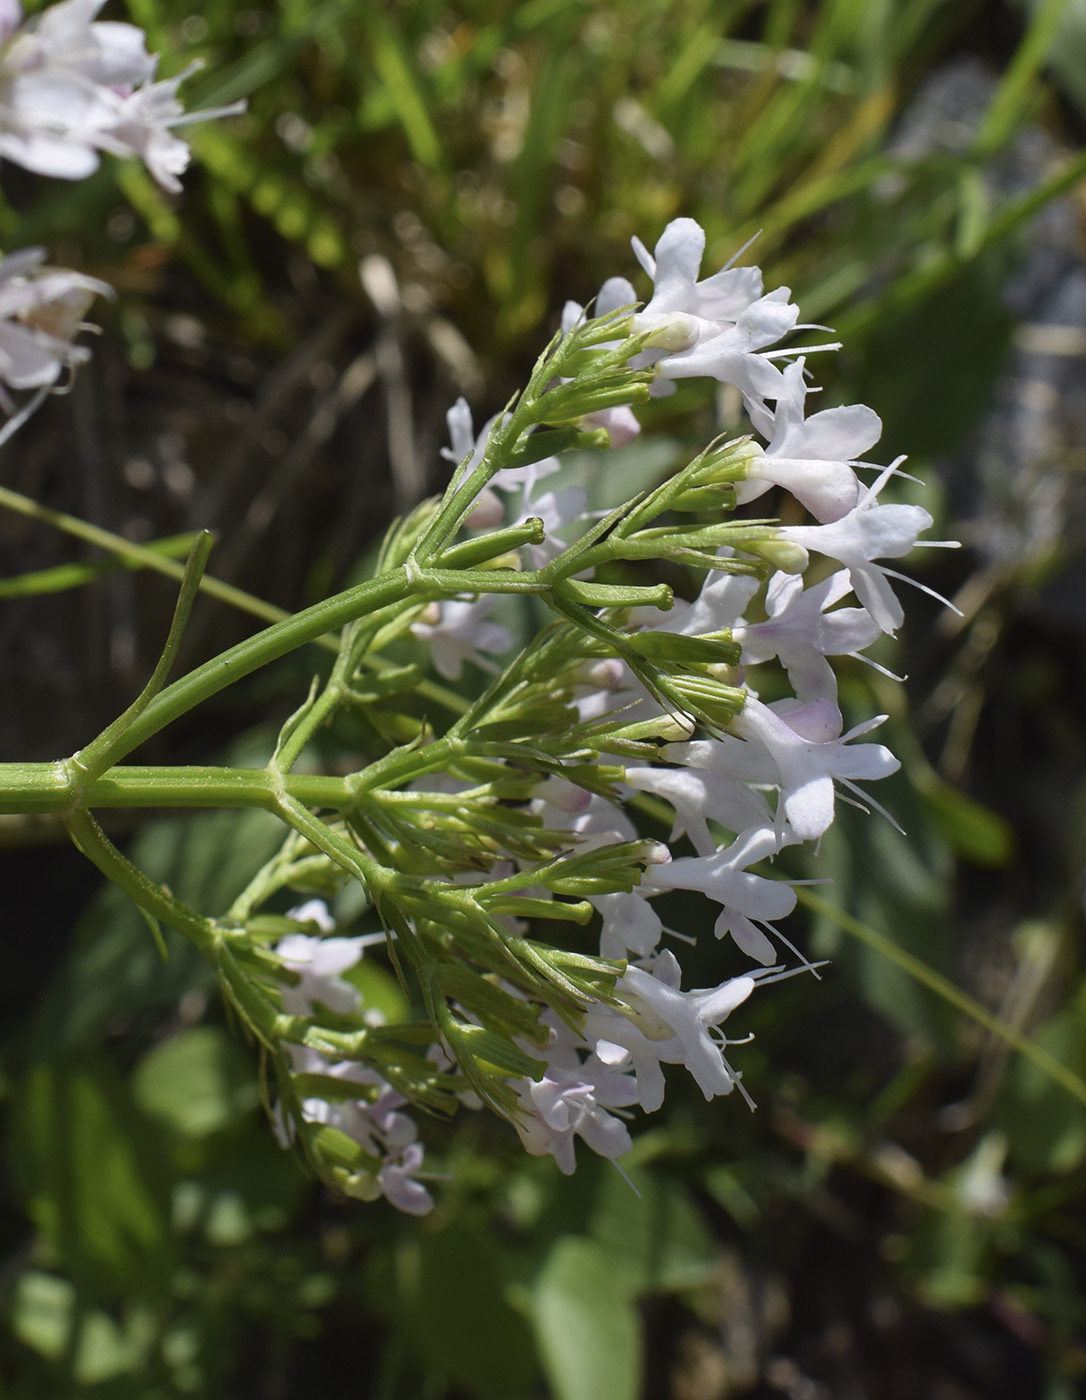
(469, 819)
(525, 805)
(452, 839)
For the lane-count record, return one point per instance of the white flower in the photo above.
(717, 608)
(318, 962)
(698, 793)
(40, 311)
(716, 327)
(377, 1125)
(747, 900)
(630, 925)
(396, 1179)
(143, 128)
(71, 87)
(593, 823)
(464, 444)
(664, 1025)
(801, 633)
(314, 911)
(868, 532)
(556, 509)
(457, 630)
(808, 759)
(571, 1100)
(810, 457)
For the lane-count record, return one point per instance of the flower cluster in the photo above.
(40, 311)
(72, 86)
(368, 1113)
(529, 800)
(525, 805)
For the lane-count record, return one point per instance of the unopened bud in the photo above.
(360, 1186)
(674, 333)
(651, 1025)
(780, 554)
(604, 675)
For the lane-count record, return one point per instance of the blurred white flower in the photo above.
(40, 311)
(72, 86)
(318, 963)
(457, 631)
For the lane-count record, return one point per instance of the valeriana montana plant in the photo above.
(463, 830)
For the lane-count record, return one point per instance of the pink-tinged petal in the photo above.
(605, 1135)
(11, 16)
(818, 721)
(620, 424)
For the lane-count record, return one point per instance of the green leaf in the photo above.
(975, 832)
(1067, 56)
(46, 1314)
(114, 970)
(245, 1185)
(92, 1174)
(379, 990)
(65, 576)
(586, 1324)
(405, 93)
(930, 367)
(461, 1319)
(199, 1082)
(1046, 1133)
(656, 1240)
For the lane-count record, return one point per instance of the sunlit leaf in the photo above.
(586, 1324)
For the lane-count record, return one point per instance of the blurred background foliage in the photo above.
(415, 190)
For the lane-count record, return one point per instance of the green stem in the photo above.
(268, 645)
(140, 556)
(44, 788)
(90, 758)
(153, 899)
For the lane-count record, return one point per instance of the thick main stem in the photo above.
(44, 788)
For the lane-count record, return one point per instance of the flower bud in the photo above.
(780, 554)
(674, 333)
(604, 675)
